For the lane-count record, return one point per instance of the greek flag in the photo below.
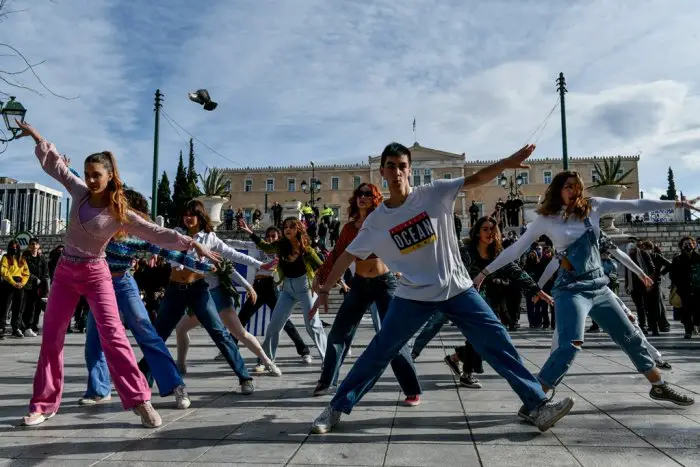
(259, 321)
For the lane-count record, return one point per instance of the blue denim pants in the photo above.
(365, 291)
(474, 319)
(294, 290)
(581, 291)
(196, 296)
(137, 321)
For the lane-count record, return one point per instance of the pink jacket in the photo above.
(89, 239)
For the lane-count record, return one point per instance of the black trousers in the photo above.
(10, 299)
(690, 312)
(267, 293)
(32, 309)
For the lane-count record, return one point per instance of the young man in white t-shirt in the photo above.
(413, 232)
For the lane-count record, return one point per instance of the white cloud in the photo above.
(335, 81)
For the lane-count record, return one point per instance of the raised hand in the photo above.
(28, 130)
(245, 227)
(515, 161)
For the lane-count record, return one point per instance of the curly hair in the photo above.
(302, 237)
(377, 198)
(552, 204)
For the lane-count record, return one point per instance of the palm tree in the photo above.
(610, 173)
(214, 183)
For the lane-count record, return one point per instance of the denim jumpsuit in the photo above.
(583, 291)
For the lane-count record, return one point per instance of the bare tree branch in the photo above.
(30, 68)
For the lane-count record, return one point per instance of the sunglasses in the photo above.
(366, 194)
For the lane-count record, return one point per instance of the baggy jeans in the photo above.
(93, 281)
(474, 319)
(136, 319)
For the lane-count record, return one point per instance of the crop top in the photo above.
(347, 235)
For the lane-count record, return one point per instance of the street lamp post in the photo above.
(11, 113)
(313, 187)
(512, 184)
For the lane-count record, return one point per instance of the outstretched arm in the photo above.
(487, 174)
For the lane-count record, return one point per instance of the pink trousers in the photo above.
(93, 281)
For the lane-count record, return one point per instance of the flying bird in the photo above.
(202, 97)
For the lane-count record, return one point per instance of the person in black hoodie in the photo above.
(685, 276)
(36, 289)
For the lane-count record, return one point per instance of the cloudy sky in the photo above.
(334, 81)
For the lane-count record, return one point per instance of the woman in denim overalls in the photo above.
(572, 223)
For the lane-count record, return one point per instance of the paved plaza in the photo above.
(613, 423)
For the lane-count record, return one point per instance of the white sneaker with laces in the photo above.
(29, 333)
(259, 368)
(272, 369)
(307, 359)
(94, 400)
(326, 421)
(550, 413)
(182, 400)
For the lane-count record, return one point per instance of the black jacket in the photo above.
(38, 272)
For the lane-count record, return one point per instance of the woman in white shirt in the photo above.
(572, 223)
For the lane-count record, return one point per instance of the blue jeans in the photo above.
(365, 291)
(572, 308)
(376, 320)
(294, 290)
(472, 316)
(429, 331)
(137, 321)
(196, 296)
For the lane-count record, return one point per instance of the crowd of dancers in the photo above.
(408, 266)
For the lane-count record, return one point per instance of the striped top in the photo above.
(119, 254)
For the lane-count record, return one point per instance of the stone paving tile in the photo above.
(509, 456)
(604, 457)
(613, 422)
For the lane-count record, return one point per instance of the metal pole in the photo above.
(265, 203)
(561, 87)
(67, 210)
(313, 183)
(154, 196)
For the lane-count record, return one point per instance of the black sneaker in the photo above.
(663, 364)
(664, 392)
(454, 366)
(469, 381)
(18, 334)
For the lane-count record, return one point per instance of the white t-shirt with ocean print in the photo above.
(418, 239)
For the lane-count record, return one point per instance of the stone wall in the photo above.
(666, 235)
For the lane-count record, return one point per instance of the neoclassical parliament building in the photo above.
(257, 187)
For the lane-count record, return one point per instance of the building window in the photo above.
(385, 184)
(497, 181)
(227, 186)
(270, 185)
(416, 177)
(526, 177)
(356, 181)
(427, 176)
(447, 176)
(248, 185)
(291, 184)
(335, 183)
(547, 176)
(594, 176)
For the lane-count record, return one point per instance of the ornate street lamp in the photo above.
(512, 184)
(11, 112)
(313, 187)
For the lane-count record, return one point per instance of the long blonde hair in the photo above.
(118, 205)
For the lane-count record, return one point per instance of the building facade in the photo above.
(253, 187)
(29, 206)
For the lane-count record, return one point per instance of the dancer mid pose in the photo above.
(188, 289)
(120, 252)
(372, 283)
(297, 263)
(225, 304)
(608, 246)
(483, 246)
(268, 293)
(99, 211)
(572, 223)
(413, 232)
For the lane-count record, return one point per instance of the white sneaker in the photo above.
(259, 368)
(326, 421)
(182, 400)
(550, 413)
(272, 369)
(29, 333)
(94, 400)
(307, 359)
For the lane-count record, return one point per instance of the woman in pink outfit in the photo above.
(99, 211)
